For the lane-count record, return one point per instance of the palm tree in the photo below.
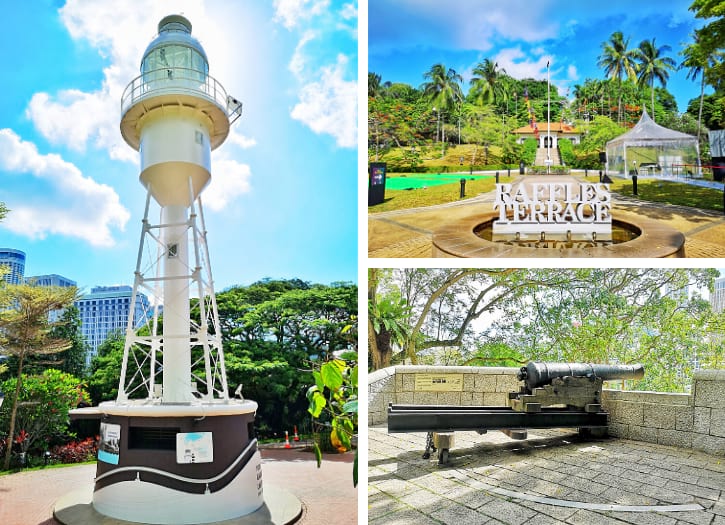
(375, 87)
(697, 61)
(653, 65)
(617, 61)
(443, 91)
(485, 84)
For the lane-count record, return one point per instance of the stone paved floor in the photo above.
(408, 233)
(488, 473)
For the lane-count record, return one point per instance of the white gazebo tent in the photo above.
(649, 147)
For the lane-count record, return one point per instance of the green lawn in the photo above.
(44, 467)
(655, 190)
(416, 198)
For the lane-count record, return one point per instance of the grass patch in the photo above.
(45, 467)
(406, 199)
(652, 190)
(656, 190)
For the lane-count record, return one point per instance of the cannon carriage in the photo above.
(553, 395)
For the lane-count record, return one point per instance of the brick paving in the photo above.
(492, 479)
(409, 233)
(327, 494)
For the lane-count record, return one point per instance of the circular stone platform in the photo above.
(280, 508)
(457, 239)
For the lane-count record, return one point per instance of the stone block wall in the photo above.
(709, 411)
(695, 420)
(397, 384)
(654, 417)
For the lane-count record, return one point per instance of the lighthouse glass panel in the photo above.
(174, 66)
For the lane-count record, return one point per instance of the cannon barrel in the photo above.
(536, 374)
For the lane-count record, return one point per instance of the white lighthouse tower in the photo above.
(175, 447)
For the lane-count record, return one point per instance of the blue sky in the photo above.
(406, 37)
(282, 201)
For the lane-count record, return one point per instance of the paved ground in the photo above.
(327, 493)
(408, 233)
(492, 479)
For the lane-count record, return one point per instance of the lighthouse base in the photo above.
(280, 508)
(174, 464)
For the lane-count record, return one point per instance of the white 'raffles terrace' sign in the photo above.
(553, 208)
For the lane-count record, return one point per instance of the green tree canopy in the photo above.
(272, 332)
(650, 316)
(618, 61)
(43, 405)
(26, 332)
(653, 66)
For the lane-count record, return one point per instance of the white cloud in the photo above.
(330, 105)
(77, 119)
(297, 62)
(572, 73)
(73, 118)
(349, 11)
(74, 205)
(292, 12)
(229, 180)
(518, 65)
(464, 24)
(235, 137)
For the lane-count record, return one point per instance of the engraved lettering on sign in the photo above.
(439, 382)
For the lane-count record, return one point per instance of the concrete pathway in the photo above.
(408, 233)
(327, 493)
(553, 477)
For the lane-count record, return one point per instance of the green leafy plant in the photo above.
(335, 394)
(75, 451)
(43, 404)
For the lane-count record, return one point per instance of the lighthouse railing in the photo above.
(174, 80)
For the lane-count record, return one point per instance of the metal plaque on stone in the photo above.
(439, 382)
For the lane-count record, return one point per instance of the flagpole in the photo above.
(548, 120)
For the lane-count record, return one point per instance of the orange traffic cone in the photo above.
(296, 438)
(286, 440)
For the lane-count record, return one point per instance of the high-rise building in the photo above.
(14, 261)
(106, 309)
(717, 298)
(50, 280)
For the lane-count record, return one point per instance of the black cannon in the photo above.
(537, 373)
(554, 395)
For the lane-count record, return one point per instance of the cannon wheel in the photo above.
(443, 456)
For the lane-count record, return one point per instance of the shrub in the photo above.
(528, 154)
(75, 451)
(450, 168)
(566, 148)
(553, 170)
(44, 402)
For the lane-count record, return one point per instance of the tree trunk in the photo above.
(373, 346)
(653, 99)
(381, 359)
(443, 138)
(699, 114)
(13, 413)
